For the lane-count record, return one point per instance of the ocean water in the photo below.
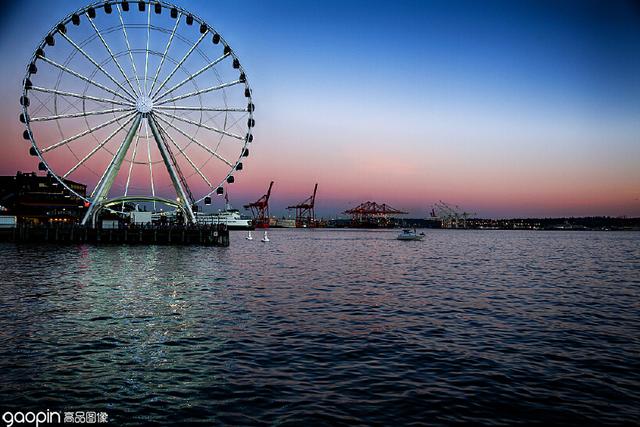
(328, 327)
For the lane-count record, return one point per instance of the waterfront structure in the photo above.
(114, 232)
(372, 214)
(191, 113)
(305, 211)
(41, 199)
(450, 216)
(284, 223)
(260, 209)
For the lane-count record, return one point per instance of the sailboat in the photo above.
(265, 238)
(249, 236)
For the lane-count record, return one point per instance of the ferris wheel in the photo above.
(141, 101)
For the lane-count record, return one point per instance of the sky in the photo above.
(507, 109)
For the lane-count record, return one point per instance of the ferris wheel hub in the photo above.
(144, 104)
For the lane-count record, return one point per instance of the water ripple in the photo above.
(329, 327)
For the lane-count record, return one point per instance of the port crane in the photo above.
(260, 209)
(450, 216)
(305, 211)
(372, 214)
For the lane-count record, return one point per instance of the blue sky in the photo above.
(506, 108)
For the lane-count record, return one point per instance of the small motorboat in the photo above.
(410, 235)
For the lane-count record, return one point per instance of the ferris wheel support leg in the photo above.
(184, 200)
(103, 187)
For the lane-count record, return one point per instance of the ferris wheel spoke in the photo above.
(166, 50)
(83, 114)
(70, 106)
(194, 75)
(82, 77)
(133, 159)
(186, 108)
(115, 60)
(182, 150)
(211, 128)
(97, 147)
(201, 91)
(44, 105)
(101, 191)
(226, 125)
(177, 178)
(83, 133)
(98, 66)
(146, 54)
(178, 65)
(52, 98)
(126, 39)
(81, 96)
(146, 131)
(195, 141)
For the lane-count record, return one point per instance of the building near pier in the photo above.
(40, 199)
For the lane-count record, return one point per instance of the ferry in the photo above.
(231, 217)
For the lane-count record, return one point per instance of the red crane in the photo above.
(371, 214)
(305, 212)
(260, 210)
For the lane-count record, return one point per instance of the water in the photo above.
(329, 327)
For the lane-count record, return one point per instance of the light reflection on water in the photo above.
(329, 326)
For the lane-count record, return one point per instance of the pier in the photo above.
(215, 235)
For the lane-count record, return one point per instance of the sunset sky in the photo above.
(506, 108)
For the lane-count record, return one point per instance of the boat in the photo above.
(410, 235)
(249, 236)
(229, 216)
(265, 238)
(285, 223)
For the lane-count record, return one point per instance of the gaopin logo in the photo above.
(36, 418)
(54, 417)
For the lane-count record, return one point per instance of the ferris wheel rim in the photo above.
(27, 86)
